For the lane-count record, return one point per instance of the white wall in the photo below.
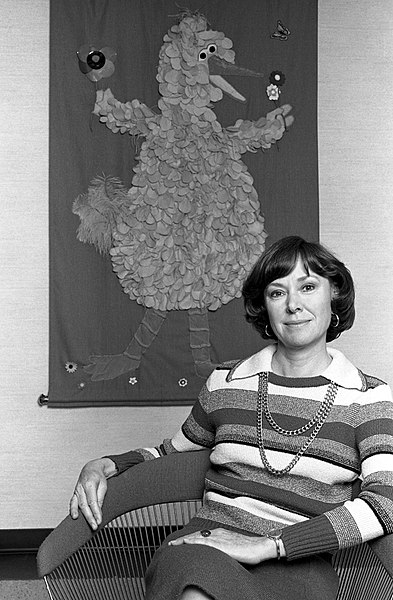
(41, 450)
(356, 166)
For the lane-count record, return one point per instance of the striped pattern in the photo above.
(361, 575)
(314, 501)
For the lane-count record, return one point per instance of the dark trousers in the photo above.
(174, 568)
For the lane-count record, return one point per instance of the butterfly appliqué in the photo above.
(281, 32)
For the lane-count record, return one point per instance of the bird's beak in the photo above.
(219, 67)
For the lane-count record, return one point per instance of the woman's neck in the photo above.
(300, 363)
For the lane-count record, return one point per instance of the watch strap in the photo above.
(275, 535)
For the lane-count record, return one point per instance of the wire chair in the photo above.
(112, 564)
(142, 507)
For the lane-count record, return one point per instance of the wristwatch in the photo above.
(275, 535)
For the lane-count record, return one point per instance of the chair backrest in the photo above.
(144, 505)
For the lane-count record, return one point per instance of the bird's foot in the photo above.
(110, 366)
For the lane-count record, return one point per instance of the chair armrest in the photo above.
(172, 478)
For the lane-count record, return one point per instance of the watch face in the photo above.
(275, 533)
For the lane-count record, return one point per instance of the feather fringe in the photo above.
(98, 210)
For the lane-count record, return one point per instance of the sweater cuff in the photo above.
(126, 460)
(313, 536)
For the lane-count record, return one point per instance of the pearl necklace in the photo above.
(317, 421)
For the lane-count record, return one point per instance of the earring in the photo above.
(336, 324)
(267, 332)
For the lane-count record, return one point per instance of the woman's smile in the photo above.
(296, 323)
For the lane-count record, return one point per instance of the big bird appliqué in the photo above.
(188, 231)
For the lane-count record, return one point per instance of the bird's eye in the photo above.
(206, 52)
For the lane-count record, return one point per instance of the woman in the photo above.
(291, 429)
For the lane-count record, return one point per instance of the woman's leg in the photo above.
(207, 573)
(194, 593)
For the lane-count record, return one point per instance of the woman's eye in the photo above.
(275, 294)
(309, 287)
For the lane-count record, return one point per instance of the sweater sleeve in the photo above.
(196, 433)
(370, 515)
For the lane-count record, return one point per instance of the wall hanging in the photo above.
(205, 169)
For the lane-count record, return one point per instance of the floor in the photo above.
(23, 590)
(19, 580)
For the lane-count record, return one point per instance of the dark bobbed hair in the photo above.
(278, 261)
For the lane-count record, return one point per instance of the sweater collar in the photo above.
(340, 370)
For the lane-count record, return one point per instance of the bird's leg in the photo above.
(145, 334)
(112, 366)
(200, 341)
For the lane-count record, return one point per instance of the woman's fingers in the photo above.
(93, 509)
(192, 538)
(101, 492)
(95, 495)
(87, 505)
(74, 512)
(243, 548)
(89, 496)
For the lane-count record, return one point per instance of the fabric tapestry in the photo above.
(182, 143)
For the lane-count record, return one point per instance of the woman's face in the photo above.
(299, 307)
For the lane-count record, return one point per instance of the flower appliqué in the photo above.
(70, 367)
(273, 91)
(277, 78)
(183, 382)
(132, 380)
(96, 64)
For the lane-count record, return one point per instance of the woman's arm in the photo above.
(196, 433)
(370, 515)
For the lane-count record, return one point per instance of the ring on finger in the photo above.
(205, 532)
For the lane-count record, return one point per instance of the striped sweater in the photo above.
(314, 503)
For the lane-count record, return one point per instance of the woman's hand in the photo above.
(90, 490)
(243, 548)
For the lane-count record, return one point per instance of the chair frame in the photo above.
(142, 506)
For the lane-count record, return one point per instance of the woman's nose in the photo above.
(293, 303)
